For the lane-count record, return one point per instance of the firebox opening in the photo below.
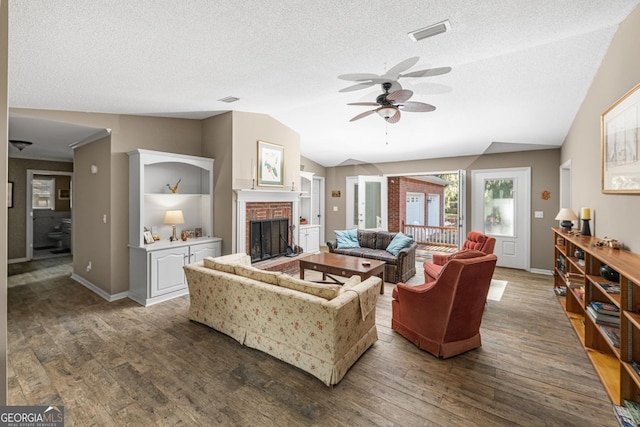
(268, 238)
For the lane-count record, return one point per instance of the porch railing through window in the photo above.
(432, 235)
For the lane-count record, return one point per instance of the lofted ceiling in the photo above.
(520, 69)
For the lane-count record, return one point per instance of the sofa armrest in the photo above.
(332, 244)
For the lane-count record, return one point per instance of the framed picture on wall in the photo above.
(270, 164)
(9, 194)
(63, 195)
(620, 132)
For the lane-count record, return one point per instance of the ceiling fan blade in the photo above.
(428, 73)
(416, 107)
(395, 118)
(400, 95)
(361, 115)
(356, 87)
(358, 77)
(395, 71)
(365, 104)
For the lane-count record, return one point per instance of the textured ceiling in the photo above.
(520, 68)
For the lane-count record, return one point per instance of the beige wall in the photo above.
(217, 140)
(17, 215)
(313, 167)
(544, 176)
(91, 236)
(613, 215)
(4, 132)
(181, 136)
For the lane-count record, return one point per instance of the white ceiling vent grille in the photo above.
(229, 99)
(430, 31)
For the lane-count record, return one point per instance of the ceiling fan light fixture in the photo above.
(387, 112)
(20, 145)
(430, 31)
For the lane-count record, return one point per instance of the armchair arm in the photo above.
(439, 259)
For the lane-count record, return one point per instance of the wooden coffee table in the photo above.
(342, 265)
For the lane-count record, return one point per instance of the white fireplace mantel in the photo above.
(262, 196)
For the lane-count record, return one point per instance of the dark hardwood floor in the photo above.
(122, 364)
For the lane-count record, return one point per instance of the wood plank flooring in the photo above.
(122, 364)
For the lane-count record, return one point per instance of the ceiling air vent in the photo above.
(229, 99)
(430, 31)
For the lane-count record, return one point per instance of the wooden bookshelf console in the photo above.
(583, 284)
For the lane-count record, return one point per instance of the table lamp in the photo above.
(172, 218)
(566, 215)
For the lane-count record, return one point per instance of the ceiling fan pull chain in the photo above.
(386, 132)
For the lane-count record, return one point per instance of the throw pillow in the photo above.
(398, 243)
(347, 239)
(327, 292)
(265, 276)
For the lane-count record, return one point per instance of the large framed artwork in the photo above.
(620, 132)
(270, 164)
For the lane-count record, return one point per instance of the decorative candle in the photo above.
(585, 213)
(253, 169)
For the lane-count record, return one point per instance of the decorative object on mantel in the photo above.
(585, 214)
(566, 215)
(270, 164)
(546, 195)
(173, 218)
(619, 149)
(174, 189)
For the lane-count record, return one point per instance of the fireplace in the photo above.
(268, 238)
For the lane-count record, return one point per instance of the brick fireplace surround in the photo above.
(264, 204)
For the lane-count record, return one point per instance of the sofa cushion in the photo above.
(367, 238)
(270, 277)
(383, 238)
(347, 239)
(399, 242)
(321, 290)
(214, 264)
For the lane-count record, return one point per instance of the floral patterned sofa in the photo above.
(321, 329)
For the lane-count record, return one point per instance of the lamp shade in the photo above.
(566, 214)
(173, 217)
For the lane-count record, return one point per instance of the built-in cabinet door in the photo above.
(310, 238)
(199, 252)
(166, 270)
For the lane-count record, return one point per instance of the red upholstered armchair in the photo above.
(443, 317)
(476, 241)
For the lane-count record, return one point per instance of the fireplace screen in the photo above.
(268, 238)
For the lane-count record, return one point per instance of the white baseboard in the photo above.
(87, 284)
(17, 260)
(541, 271)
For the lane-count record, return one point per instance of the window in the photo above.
(43, 193)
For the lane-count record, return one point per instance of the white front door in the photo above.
(367, 202)
(500, 207)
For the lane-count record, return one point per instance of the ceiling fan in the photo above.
(365, 80)
(389, 105)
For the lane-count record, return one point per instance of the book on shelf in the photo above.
(605, 308)
(560, 291)
(603, 319)
(612, 335)
(634, 410)
(623, 416)
(610, 288)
